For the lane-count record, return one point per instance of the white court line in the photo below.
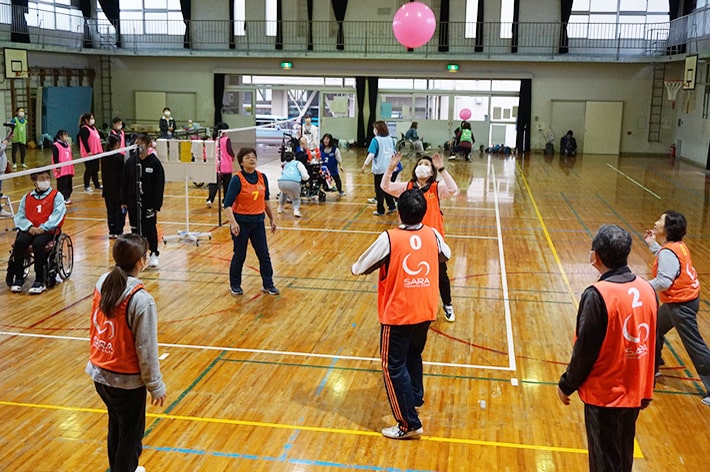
(259, 351)
(503, 274)
(635, 182)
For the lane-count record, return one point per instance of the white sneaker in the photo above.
(371, 200)
(16, 288)
(5, 214)
(280, 209)
(153, 262)
(140, 468)
(14, 165)
(449, 313)
(37, 288)
(705, 401)
(208, 203)
(394, 432)
(297, 213)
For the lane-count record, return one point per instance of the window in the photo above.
(471, 18)
(270, 17)
(506, 18)
(54, 15)
(240, 16)
(138, 17)
(612, 19)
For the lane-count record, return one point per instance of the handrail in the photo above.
(375, 38)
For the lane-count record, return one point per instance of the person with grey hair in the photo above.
(612, 363)
(676, 281)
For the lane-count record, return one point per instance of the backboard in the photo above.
(16, 64)
(690, 73)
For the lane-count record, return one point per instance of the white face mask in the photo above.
(21, 114)
(422, 171)
(166, 113)
(43, 185)
(91, 122)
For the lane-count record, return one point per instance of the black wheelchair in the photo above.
(60, 261)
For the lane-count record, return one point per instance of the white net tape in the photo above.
(672, 87)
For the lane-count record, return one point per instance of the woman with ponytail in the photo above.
(424, 178)
(123, 358)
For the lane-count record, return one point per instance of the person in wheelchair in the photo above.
(413, 136)
(38, 219)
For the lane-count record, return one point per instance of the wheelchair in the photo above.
(60, 261)
(405, 146)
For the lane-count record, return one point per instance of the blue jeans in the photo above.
(256, 233)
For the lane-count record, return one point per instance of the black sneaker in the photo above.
(236, 291)
(271, 290)
(37, 288)
(16, 286)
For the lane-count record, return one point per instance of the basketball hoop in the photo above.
(672, 87)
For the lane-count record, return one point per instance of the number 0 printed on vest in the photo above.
(415, 242)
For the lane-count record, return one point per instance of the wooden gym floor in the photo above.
(293, 383)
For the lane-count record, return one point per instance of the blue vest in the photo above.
(291, 172)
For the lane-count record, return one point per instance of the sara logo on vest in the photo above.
(690, 270)
(419, 276)
(100, 344)
(640, 350)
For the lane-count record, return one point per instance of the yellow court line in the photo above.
(637, 448)
(548, 238)
(319, 429)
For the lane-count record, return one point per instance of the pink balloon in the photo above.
(413, 24)
(465, 114)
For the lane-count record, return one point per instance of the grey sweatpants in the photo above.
(683, 317)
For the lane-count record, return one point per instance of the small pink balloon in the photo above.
(465, 114)
(413, 24)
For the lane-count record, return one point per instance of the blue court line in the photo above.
(280, 459)
(675, 354)
(631, 228)
(576, 215)
(668, 179)
(325, 377)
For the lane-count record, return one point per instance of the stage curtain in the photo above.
(339, 8)
(279, 26)
(372, 91)
(85, 6)
(565, 13)
(522, 139)
(20, 33)
(360, 84)
(516, 19)
(444, 26)
(479, 27)
(186, 7)
(309, 6)
(218, 97)
(232, 39)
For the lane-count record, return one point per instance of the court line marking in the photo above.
(316, 429)
(503, 274)
(548, 238)
(634, 181)
(289, 228)
(637, 448)
(263, 351)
